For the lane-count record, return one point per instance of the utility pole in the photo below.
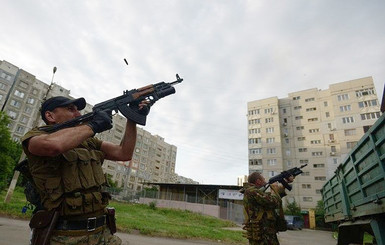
(16, 174)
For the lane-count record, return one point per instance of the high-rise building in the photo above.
(314, 127)
(21, 95)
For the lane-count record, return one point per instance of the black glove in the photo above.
(102, 121)
(144, 111)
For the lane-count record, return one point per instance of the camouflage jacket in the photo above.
(260, 215)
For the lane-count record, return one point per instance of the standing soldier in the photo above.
(260, 210)
(66, 167)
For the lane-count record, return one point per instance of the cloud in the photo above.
(229, 52)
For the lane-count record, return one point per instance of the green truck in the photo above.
(354, 197)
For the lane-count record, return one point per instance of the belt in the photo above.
(88, 224)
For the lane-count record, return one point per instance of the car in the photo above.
(294, 222)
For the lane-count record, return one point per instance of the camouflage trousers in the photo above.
(102, 237)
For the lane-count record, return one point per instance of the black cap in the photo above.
(60, 101)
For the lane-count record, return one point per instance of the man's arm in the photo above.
(59, 141)
(124, 151)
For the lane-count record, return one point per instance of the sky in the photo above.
(228, 52)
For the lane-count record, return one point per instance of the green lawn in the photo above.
(150, 221)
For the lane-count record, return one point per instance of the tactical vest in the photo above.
(72, 181)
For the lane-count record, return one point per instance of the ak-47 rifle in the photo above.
(151, 93)
(281, 178)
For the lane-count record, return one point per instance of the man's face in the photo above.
(261, 181)
(63, 114)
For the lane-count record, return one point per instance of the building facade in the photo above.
(313, 127)
(21, 95)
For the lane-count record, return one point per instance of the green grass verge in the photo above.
(146, 220)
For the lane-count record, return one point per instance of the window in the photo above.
(19, 94)
(271, 151)
(269, 120)
(314, 130)
(269, 130)
(23, 84)
(255, 151)
(24, 119)
(255, 140)
(3, 86)
(320, 178)
(30, 101)
(297, 107)
(269, 110)
(302, 149)
(315, 142)
(303, 161)
(369, 116)
(270, 140)
(345, 108)
(311, 109)
(350, 145)
(348, 120)
(255, 131)
(349, 132)
(316, 153)
(309, 99)
(367, 103)
(320, 165)
(15, 103)
(28, 110)
(298, 117)
(300, 127)
(284, 110)
(325, 103)
(255, 162)
(305, 173)
(366, 91)
(314, 119)
(296, 97)
(12, 114)
(327, 114)
(254, 112)
(301, 138)
(271, 162)
(342, 97)
(20, 129)
(307, 199)
(306, 186)
(288, 152)
(254, 121)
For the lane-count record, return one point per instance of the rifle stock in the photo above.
(151, 93)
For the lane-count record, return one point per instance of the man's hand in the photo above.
(102, 121)
(142, 108)
(290, 179)
(278, 189)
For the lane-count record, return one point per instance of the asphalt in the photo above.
(15, 231)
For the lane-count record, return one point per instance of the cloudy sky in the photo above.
(229, 52)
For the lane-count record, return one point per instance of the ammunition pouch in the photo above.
(42, 224)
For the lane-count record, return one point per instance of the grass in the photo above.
(150, 220)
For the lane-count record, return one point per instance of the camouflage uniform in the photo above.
(260, 218)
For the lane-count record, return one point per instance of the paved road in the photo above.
(13, 231)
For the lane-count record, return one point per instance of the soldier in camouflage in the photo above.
(260, 210)
(66, 167)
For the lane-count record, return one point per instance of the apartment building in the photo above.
(314, 127)
(21, 95)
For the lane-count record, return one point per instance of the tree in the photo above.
(10, 151)
(293, 209)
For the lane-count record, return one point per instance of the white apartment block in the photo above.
(314, 127)
(21, 95)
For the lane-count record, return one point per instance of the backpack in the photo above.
(30, 190)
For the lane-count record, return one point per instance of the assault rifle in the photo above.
(123, 103)
(281, 178)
